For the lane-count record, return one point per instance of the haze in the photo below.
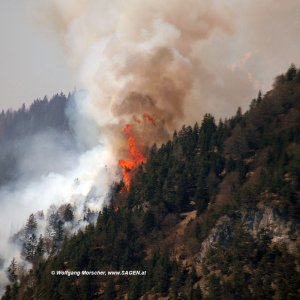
(32, 63)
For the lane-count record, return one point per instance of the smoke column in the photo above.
(172, 59)
(135, 57)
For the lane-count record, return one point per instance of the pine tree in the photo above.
(134, 288)
(291, 73)
(214, 288)
(201, 195)
(12, 271)
(29, 247)
(31, 225)
(148, 221)
(40, 249)
(109, 292)
(68, 213)
(30, 240)
(207, 130)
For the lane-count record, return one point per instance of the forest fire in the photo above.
(147, 117)
(136, 156)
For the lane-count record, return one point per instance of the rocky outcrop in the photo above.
(220, 234)
(262, 220)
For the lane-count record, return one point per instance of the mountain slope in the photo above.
(213, 214)
(19, 128)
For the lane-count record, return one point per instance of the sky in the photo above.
(32, 62)
(253, 42)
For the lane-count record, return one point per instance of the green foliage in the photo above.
(214, 288)
(12, 271)
(109, 292)
(68, 213)
(148, 221)
(270, 271)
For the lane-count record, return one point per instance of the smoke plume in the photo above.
(171, 59)
(136, 57)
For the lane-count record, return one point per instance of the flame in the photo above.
(147, 117)
(136, 157)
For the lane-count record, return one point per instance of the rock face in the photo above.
(263, 220)
(218, 236)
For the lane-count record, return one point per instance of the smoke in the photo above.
(51, 172)
(172, 59)
(135, 57)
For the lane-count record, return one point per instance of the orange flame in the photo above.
(137, 158)
(147, 117)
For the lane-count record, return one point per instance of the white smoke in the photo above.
(38, 193)
(227, 50)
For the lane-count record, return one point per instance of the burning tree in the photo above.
(137, 157)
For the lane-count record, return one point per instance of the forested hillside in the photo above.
(213, 214)
(17, 126)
